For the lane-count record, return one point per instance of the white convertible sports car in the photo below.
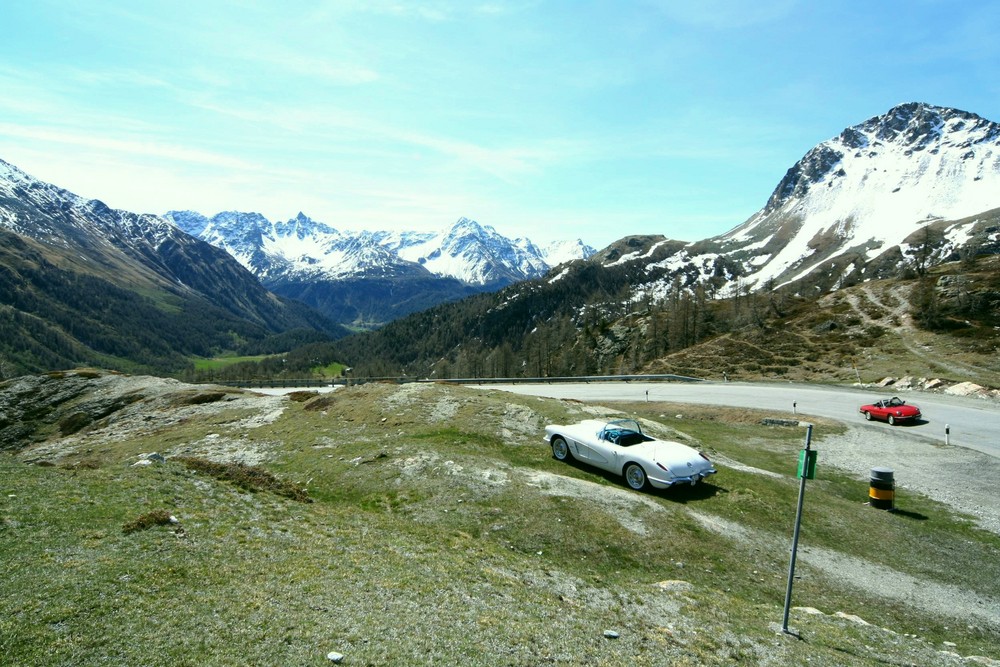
(621, 447)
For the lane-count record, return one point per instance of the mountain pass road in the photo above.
(973, 423)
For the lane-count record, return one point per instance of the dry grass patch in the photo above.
(249, 478)
(199, 397)
(159, 517)
(301, 396)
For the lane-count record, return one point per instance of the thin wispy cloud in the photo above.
(144, 149)
(644, 116)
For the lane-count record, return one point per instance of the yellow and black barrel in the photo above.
(882, 491)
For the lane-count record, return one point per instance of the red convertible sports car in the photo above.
(892, 410)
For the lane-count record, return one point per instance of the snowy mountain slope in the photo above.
(57, 217)
(860, 201)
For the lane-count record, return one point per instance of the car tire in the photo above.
(635, 476)
(892, 420)
(868, 416)
(560, 450)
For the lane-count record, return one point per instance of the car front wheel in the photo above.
(892, 420)
(560, 450)
(868, 415)
(635, 476)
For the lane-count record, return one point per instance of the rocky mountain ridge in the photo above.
(304, 249)
(365, 279)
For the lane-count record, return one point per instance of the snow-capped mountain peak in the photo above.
(303, 227)
(870, 187)
(303, 248)
(908, 150)
(560, 252)
(476, 254)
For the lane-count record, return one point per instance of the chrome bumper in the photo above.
(661, 483)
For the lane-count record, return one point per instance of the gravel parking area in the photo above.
(963, 479)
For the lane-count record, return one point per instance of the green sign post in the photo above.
(807, 470)
(807, 463)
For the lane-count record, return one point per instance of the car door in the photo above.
(580, 448)
(580, 443)
(605, 455)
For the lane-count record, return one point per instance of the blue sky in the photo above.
(552, 120)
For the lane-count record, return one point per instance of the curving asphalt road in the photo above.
(971, 422)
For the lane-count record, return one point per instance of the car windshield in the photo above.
(624, 432)
(894, 401)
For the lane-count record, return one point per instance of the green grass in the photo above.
(331, 370)
(428, 543)
(215, 363)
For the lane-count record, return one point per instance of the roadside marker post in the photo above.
(947, 434)
(807, 470)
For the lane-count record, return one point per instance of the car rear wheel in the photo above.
(635, 476)
(892, 420)
(560, 450)
(868, 415)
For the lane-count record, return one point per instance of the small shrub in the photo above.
(147, 520)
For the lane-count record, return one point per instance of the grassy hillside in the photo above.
(427, 524)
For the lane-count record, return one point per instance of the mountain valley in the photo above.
(910, 195)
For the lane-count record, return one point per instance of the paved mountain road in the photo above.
(973, 423)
